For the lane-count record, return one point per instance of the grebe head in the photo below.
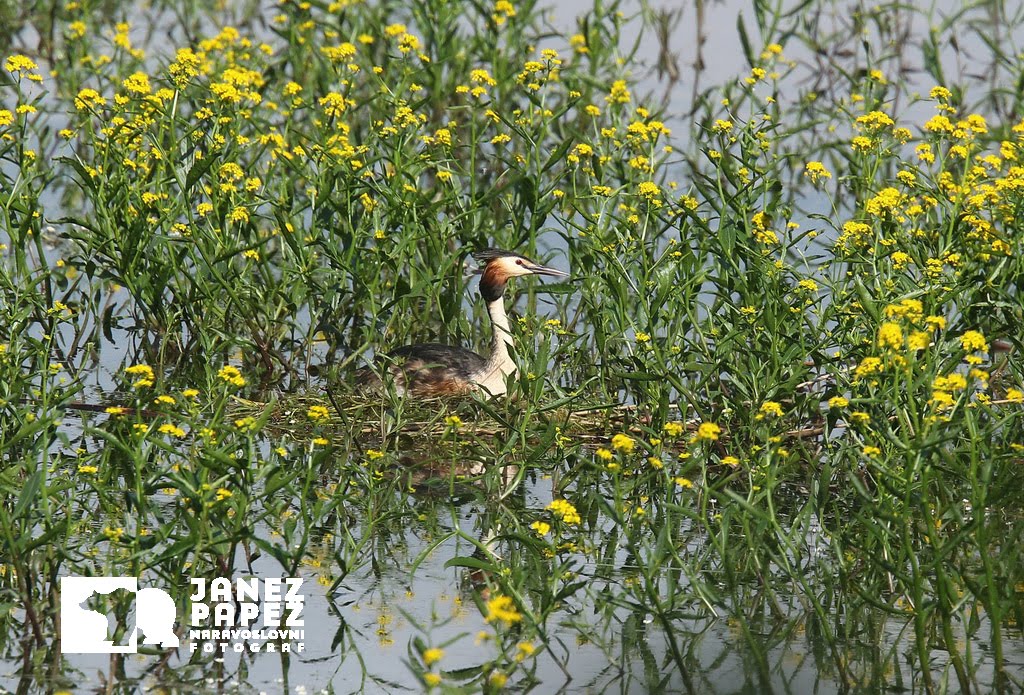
(498, 266)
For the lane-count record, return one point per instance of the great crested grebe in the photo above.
(435, 369)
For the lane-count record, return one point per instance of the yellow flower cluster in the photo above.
(624, 443)
(231, 375)
(503, 609)
(973, 341)
(890, 336)
(762, 229)
(708, 431)
(23, 66)
(816, 172)
(144, 373)
(565, 510)
(317, 412)
(673, 429)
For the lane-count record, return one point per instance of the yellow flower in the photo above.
(910, 309)
(938, 124)
(317, 412)
(432, 656)
(816, 172)
(871, 451)
(482, 76)
(838, 402)
(860, 417)
(89, 98)
(223, 493)
(113, 534)
(503, 609)
(769, 408)
(861, 144)
(138, 82)
(503, 9)
(972, 341)
(339, 54)
(619, 93)
(579, 43)
(173, 430)
(541, 527)
(143, 370)
(918, 340)
(564, 509)
(890, 336)
(885, 202)
(950, 382)
(431, 679)
(20, 63)
(604, 454)
(941, 400)
(623, 443)
(683, 482)
(868, 366)
(708, 431)
(673, 429)
(333, 104)
(145, 374)
(1015, 395)
(232, 375)
(650, 191)
(900, 259)
(731, 461)
(876, 120)
(246, 423)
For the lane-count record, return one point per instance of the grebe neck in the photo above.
(499, 363)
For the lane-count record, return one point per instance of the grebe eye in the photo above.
(519, 261)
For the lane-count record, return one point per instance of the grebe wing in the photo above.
(438, 355)
(435, 369)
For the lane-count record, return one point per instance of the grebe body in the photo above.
(436, 369)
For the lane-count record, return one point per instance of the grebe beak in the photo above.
(544, 270)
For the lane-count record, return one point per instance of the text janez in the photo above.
(228, 610)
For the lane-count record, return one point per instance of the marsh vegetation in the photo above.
(767, 437)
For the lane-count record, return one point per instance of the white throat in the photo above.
(499, 365)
